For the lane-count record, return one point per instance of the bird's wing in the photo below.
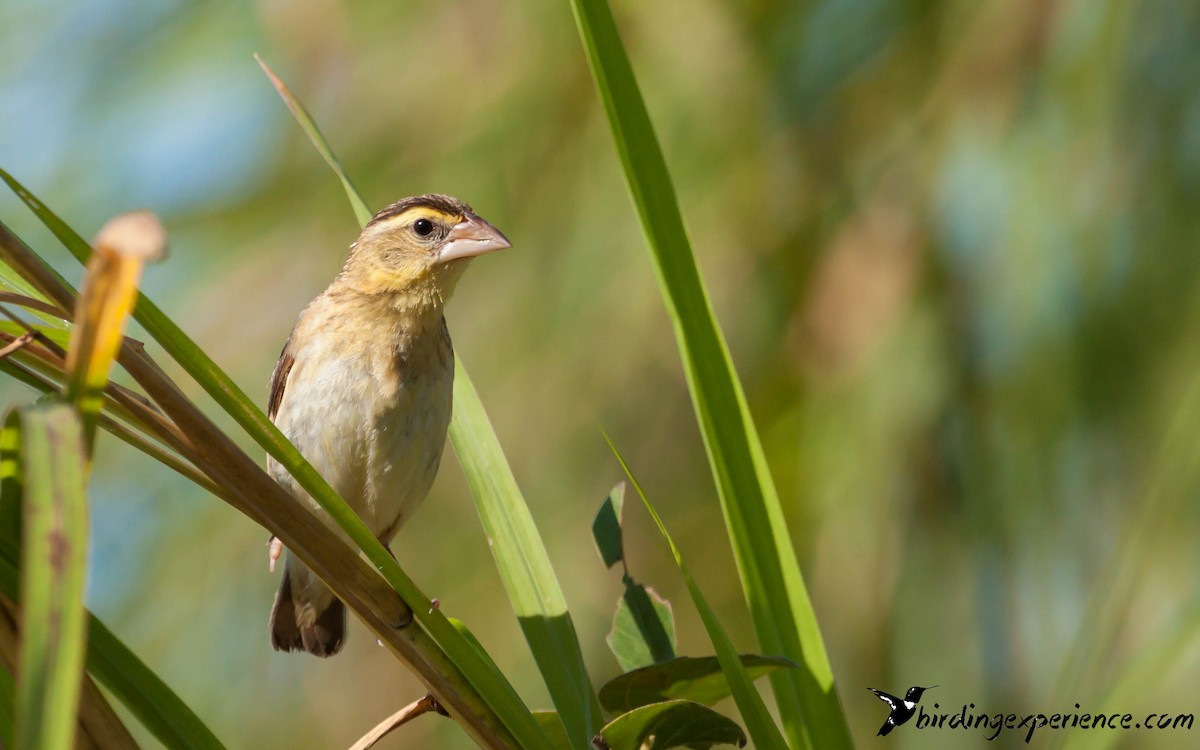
(279, 379)
(887, 698)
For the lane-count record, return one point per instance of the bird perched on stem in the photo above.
(363, 388)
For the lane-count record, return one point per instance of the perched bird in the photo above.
(901, 710)
(363, 388)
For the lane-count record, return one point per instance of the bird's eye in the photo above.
(423, 227)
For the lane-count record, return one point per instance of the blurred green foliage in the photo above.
(952, 245)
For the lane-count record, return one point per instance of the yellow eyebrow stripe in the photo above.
(419, 212)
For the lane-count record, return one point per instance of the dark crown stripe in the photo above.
(443, 203)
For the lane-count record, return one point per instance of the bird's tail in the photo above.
(306, 615)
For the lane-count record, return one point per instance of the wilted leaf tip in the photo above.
(137, 234)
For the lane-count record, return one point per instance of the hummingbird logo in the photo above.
(901, 710)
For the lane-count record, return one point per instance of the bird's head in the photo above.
(914, 693)
(419, 246)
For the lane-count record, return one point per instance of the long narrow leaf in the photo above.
(495, 691)
(524, 565)
(54, 553)
(741, 684)
(142, 691)
(517, 547)
(305, 120)
(779, 604)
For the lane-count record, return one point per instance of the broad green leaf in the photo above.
(53, 556)
(643, 629)
(516, 545)
(754, 712)
(606, 529)
(490, 685)
(699, 680)
(774, 588)
(671, 724)
(524, 564)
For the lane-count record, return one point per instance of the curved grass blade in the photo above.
(305, 120)
(516, 546)
(127, 432)
(491, 686)
(53, 558)
(524, 564)
(754, 712)
(774, 587)
(144, 693)
(111, 662)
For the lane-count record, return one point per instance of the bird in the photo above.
(902, 710)
(363, 389)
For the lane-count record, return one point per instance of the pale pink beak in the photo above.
(470, 237)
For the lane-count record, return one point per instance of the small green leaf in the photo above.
(606, 529)
(695, 679)
(754, 712)
(671, 724)
(643, 630)
(53, 557)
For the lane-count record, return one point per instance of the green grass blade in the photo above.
(524, 564)
(111, 662)
(53, 558)
(516, 546)
(754, 711)
(779, 604)
(154, 704)
(493, 688)
(305, 120)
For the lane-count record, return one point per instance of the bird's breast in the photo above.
(371, 414)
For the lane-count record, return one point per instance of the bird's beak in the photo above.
(470, 237)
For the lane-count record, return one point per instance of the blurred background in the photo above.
(953, 246)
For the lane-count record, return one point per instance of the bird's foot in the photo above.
(274, 550)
